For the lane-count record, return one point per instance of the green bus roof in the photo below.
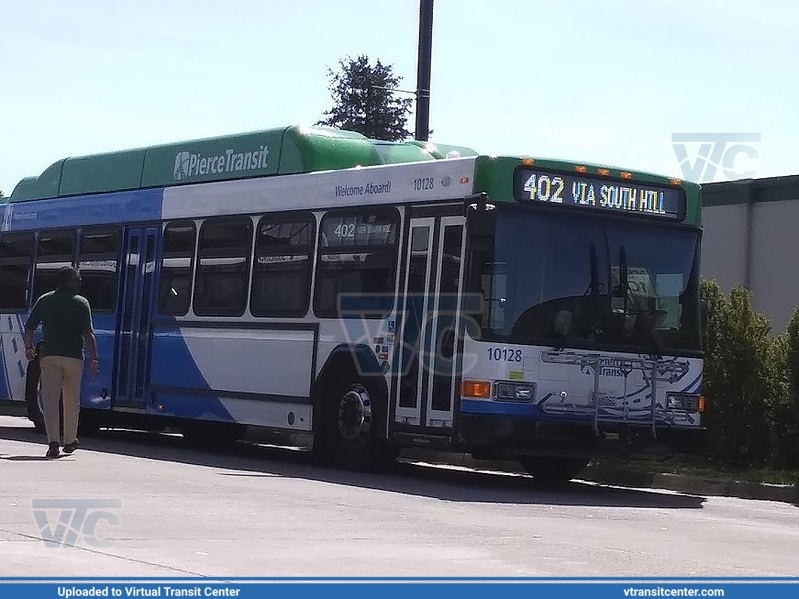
(280, 151)
(283, 151)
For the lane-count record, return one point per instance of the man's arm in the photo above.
(91, 342)
(88, 337)
(28, 338)
(30, 326)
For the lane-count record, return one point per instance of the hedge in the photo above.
(751, 383)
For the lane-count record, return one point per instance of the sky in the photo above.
(608, 82)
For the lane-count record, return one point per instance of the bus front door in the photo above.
(425, 396)
(133, 324)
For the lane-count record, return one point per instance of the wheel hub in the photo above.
(355, 414)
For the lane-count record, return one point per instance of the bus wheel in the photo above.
(350, 430)
(550, 471)
(33, 396)
(88, 423)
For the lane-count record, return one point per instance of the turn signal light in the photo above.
(581, 169)
(477, 389)
(527, 161)
(701, 403)
(675, 181)
(603, 171)
(626, 175)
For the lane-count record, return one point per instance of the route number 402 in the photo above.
(345, 230)
(544, 188)
(504, 354)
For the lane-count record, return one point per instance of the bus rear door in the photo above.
(131, 363)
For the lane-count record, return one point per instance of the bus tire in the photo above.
(553, 470)
(352, 418)
(88, 423)
(33, 397)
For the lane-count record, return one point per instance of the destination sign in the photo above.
(595, 193)
(359, 230)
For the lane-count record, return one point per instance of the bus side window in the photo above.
(177, 261)
(56, 250)
(281, 275)
(16, 253)
(357, 264)
(223, 267)
(98, 260)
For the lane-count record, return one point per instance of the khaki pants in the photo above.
(61, 375)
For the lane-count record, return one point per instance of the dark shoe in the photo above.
(70, 447)
(53, 451)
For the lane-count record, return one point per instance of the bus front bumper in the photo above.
(502, 436)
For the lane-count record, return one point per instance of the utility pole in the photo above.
(423, 69)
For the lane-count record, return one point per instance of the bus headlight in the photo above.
(514, 391)
(687, 402)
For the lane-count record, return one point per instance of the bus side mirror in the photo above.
(481, 217)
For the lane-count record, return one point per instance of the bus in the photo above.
(312, 287)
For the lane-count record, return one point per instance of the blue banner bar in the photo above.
(397, 588)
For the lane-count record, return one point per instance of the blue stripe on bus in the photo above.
(476, 406)
(529, 410)
(83, 211)
(173, 365)
(172, 362)
(5, 388)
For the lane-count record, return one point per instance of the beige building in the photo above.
(751, 236)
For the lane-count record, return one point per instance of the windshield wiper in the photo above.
(594, 288)
(624, 284)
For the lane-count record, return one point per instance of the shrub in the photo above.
(751, 382)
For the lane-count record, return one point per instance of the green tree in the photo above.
(364, 101)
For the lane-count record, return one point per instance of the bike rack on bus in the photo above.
(651, 367)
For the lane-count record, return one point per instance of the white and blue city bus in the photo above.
(317, 288)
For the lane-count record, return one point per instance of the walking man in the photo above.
(66, 320)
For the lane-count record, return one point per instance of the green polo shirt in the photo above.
(64, 316)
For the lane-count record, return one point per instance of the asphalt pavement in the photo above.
(137, 504)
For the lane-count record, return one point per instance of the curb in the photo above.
(694, 485)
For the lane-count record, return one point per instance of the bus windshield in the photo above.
(575, 281)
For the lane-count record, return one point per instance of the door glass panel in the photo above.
(449, 286)
(144, 316)
(414, 316)
(132, 264)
